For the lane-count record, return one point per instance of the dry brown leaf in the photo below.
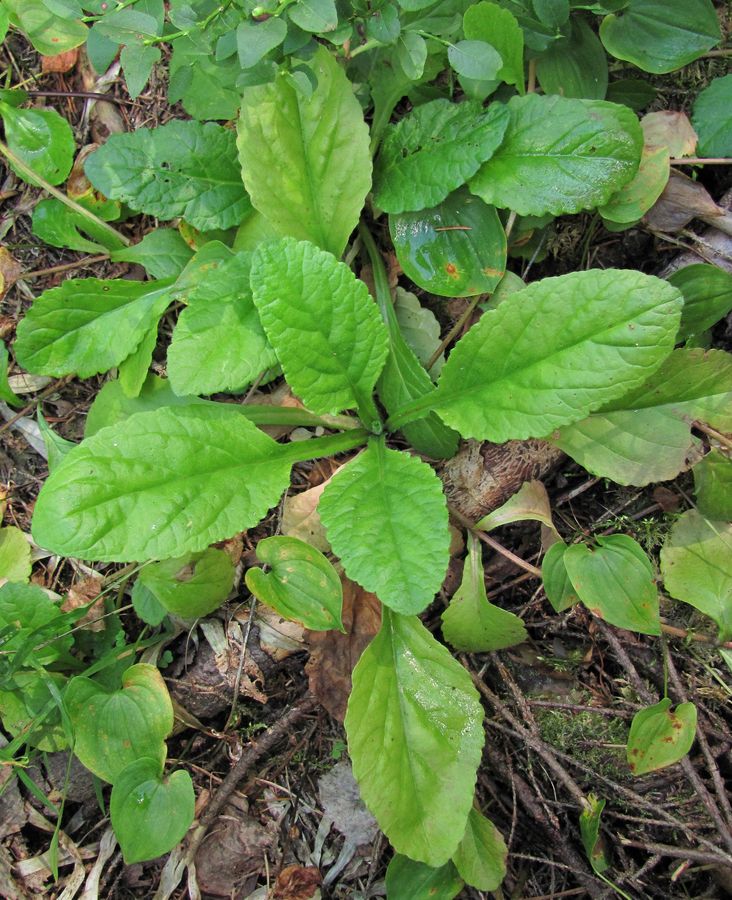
(232, 856)
(78, 184)
(297, 883)
(333, 654)
(82, 593)
(10, 270)
(681, 201)
(105, 119)
(61, 62)
(278, 637)
(670, 129)
(300, 518)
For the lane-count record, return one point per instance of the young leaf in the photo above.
(386, 518)
(615, 582)
(55, 224)
(56, 446)
(306, 162)
(133, 370)
(707, 294)
(455, 249)
(15, 555)
(531, 502)
(474, 624)
(191, 586)
(696, 565)
(560, 155)
(575, 67)
(406, 877)
(162, 252)
(114, 728)
(636, 197)
(602, 333)
(475, 59)
(415, 734)
(42, 139)
(161, 483)
(712, 118)
(481, 856)
(218, 342)
(590, 833)
(661, 35)
(150, 814)
(323, 325)
(713, 486)
(433, 151)
(559, 589)
(497, 26)
(660, 736)
(70, 328)
(302, 586)
(185, 169)
(644, 436)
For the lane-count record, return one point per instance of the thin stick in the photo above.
(49, 389)
(702, 161)
(85, 95)
(66, 267)
(713, 433)
(493, 543)
(453, 332)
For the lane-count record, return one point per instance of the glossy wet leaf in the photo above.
(707, 291)
(302, 585)
(161, 483)
(576, 66)
(186, 169)
(559, 589)
(471, 622)
(415, 734)
(713, 486)
(455, 249)
(590, 833)
(191, 586)
(42, 139)
(386, 519)
(635, 198)
(114, 728)
(660, 736)
(306, 161)
(615, 582)
(481, 856)
(433, 151)
(497, 26)
(150, 813)
(560, 155)
(712, 118)
(696, 566)
(15, 555)
(406, 877)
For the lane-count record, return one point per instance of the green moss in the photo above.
(597, 741)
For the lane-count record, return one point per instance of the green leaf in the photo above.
(419, 327)
(602, 333)
(133, 370)
(529, 503)
(316, 16)
(206, 87)
(42, 139)
(384, 25)
(112, 405)
(254, 40)
(472, 623)
(559, 589)
(56, 446)
(31, 709)
(15, 555)
(50, 34)
(615, 582)
(406, 877)
(635, 198)
(122, 24)
(475, 59)
(34, 618)
(712, 118)
(696, 565)
(645, 436)
(426, 155)
(180, 169)
(455, 249)
(707, 294)
(150, 814)
(415, 734)
(7, 395)
(162, 252)
(576, 67)
(560, 156)
(660, 736)
(661, 35)
(497, 26)
(302, 586)
(553, 13)
(590, 833)
(412, 54)
(191, 586)
(632, 92)
(4, 22)
(114, 728)
(306, 162)
(713, 486)
(146, 604)
(88, 325)
(137, 63)
(323, 325)
(55, 224)
(218, 342)
(161, 483)
(481, 856)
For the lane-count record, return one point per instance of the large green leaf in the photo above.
(660, 736)
(454, 249)
(615, 582)
(471, 622)
(112, 405)
(193, 585)
(433, 151)
(306, 161)
(552, 352)
(49, 33)
(497, 26)
(713, 486)
(42, 139)
(180, 169)
(88, 325)
(386, 518)
(481, 856)
(696, 565)
(575, 66)
(114, 728)
(159, 484)
(712, 119)
(323, 325)
(218, 342)
(707, 291)
(661, 35)
(406, 877)
(415, 733)
(645, 436)
(560, 155)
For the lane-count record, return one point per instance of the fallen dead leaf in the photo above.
(10, 271)
(681, 201)
(300, 518)
(82, 593)
(341, 802)
(61, 62)
(333, 654)
(671, 129)
(278, 637)
(297, 883)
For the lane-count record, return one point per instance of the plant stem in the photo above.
(37, 181)
(54, 270)
(364, 48)
(415, 409)
(317, 448)
(266, 414)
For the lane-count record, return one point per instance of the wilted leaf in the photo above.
(10, 271)
(531, 502)
(590, 832)
(681, 201)
(61, 62)
(84, 593)
(671, 129)
(300, 518)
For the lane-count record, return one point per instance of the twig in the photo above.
(453, 332)
(85, 95)
(676, 852)
(493, 543)
(54, 270)
(46, 392)
(673, 631)
(702, 161)
(713, 433)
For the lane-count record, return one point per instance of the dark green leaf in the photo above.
(123, 24)
(7, 395)
(191, 586)
(497, 26)
(137, 63)
(32, 615)
(712, 119)
(316, 16)
(254, 40)
(558, 588)
(713, 486)
(383, 25)
(162, 252)
(631, 92)
(576, 67)
(412, 54)
(552, 13)
(406, 877)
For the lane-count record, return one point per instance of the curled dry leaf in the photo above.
(82, 593)
(297, 883)
(681, 201)
(671, 129)
(61, 62)
(333, 654)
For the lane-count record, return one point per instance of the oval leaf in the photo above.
(191, 586)
(42, 139)
(660, 736)
(558, 588)
(707, 291)
(475, 59)
(712, 118)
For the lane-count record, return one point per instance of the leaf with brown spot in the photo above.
(660, 736)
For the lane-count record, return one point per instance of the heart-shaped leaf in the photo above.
(660, 736)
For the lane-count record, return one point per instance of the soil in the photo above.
(557, 707)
